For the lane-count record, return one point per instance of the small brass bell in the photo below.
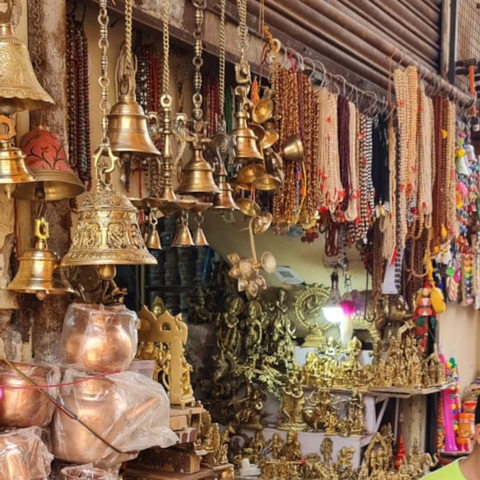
(47, 160)
(19, 87)
(183, 237)
(107, 232)
(246, 148)
(127, 124)
(199, 236)
(269, 181)
(250, 173)
(293, 149)
(223, 200)
(39, 270)
(153, 238)
(262, 111)
(197, 175)
(248, 207)
(13, 169)
(271, 135)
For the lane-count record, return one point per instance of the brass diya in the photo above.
(107, 231)
(19, 87)
(39, 269)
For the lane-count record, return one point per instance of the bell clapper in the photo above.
(111, 293)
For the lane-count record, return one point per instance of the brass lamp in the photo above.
(19, 87)
(39, 269)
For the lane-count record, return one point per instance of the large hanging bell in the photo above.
(127, 124)
(19, 87)
(13, 169)
(39, 269)
(47, 160)
(107, 231)
(197, 175)
(246, 148)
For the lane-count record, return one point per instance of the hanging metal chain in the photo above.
(221, 63)
(128, 37)
(197, 61)
(166, 49)
(242, 28)
(104, 81)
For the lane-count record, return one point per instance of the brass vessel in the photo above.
(83, 473)
(102, 339)
(19, 87)
(102, 405)
(107, 231)
(46, 158)
(197, 174)
(246, 148)
(23, 455)
(127, 124)
(27, 407)
(39, 270)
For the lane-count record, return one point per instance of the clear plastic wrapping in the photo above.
(84, 472)
(22, 406)
(127, 409)
(99, 338)
(24, 455)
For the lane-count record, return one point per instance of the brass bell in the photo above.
(262, 111)
(13, 169)
(19, 87)
(246, 148)
(199, 236)
(197, 175)
(250, 173)
(127, 124)
(39, 269)
(223, 200)
(248, 207)
(258, 131)
(46, 158)
(271, 135)
(107, 231)
(153, 238)
(183, 237)
(293, 149)
(269, 181)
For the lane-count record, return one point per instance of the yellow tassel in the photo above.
(438, 302)
(444, 231)
(444, 133)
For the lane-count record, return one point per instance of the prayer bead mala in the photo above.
(352, 212)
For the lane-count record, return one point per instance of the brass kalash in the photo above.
(39, 270)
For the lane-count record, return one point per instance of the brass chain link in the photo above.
(197, 113)
(242, 28)
(104, 81)
(221, 63)
(166, 49)
(128, 37)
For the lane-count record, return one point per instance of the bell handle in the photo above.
(104, 167)
(127, 85)
(9, 122)
(6, 16)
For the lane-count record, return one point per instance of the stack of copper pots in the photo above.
(24, 412)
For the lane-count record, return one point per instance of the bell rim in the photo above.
(66, 181)
(81, 258)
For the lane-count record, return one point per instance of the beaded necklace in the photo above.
(449, 153)
(344, 153)
(352, 212)
(438, 217)
(78, 105)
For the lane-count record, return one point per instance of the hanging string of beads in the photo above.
(78, 104)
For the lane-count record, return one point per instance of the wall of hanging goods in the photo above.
(212, 147)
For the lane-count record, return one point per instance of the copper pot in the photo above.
(27, 407)
(101, 405)
(100, 338)
(23, 455)
(83, 473)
